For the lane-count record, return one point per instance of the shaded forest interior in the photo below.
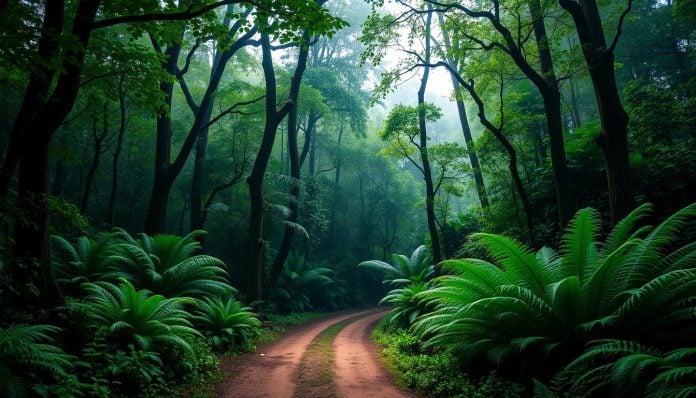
(206, 165)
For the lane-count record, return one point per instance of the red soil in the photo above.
(272, 371)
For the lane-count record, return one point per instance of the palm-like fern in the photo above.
(226, 324)
(87, 260)
(629, 369)
(404, 270)
(168, 265)
(299, 281)
(407, 306)
(548, 305)
(131, 316)
(24, 348)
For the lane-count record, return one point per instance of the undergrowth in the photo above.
(436, 374)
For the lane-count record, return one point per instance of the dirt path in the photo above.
(273, 370)
(357, 372)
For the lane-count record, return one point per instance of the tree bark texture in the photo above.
(613, 134)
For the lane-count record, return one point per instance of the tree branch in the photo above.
(232, 110)
(619, 28)
(174, 16)
(187, 93)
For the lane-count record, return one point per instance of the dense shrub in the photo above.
(536, 312)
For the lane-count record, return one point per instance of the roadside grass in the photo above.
(435, 373)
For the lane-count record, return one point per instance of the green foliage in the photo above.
(623, 368)
(530, 310)
(28, 353)
(437, 374)
(298, 281)
(407, 305)
(227, 325)
(404, 270)
(126, 371)
(87, 260)
(402, 122)
(129, 316)
(168, 265)
(194, 366)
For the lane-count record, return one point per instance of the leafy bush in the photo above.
(538, 311)
(129, 316)
(125, 371)
(28, 352)
(226, 324)
(404, 270)
(168, 265)
(183, 366)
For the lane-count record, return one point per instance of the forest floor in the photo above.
(330, 357)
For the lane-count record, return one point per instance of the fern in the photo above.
(168, 265)
(226, 324)
(404, 270)
(131, 316)
(530, 307)
(627, 369)
(25, 348)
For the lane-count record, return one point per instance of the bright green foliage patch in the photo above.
(530, 313)
(227, 325)
(131, 316)
(436, 374)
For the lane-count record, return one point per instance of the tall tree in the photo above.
(274, 116)
(544, 80)
(49, 99)
(463, 119)
(613, 134)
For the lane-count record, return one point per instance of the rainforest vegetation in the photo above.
(513, 179)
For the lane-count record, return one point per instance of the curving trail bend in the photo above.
(273, 370)
(357, 371)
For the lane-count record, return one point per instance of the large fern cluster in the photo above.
(164, 264)
(538, 310)
(131, 316)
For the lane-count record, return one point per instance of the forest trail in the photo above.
(275, 370)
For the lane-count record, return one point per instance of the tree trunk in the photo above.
(201, 125)
(464, 122)
(37, 90)
(256, 243)
(96, 158)
(613, 134)
(423, 133)
(157, 208)
(111, 211)
(554, 122)
(336, 188)
(507, 145)
(312, 120)
(31, 223)
(196, 196)
(293, 204)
